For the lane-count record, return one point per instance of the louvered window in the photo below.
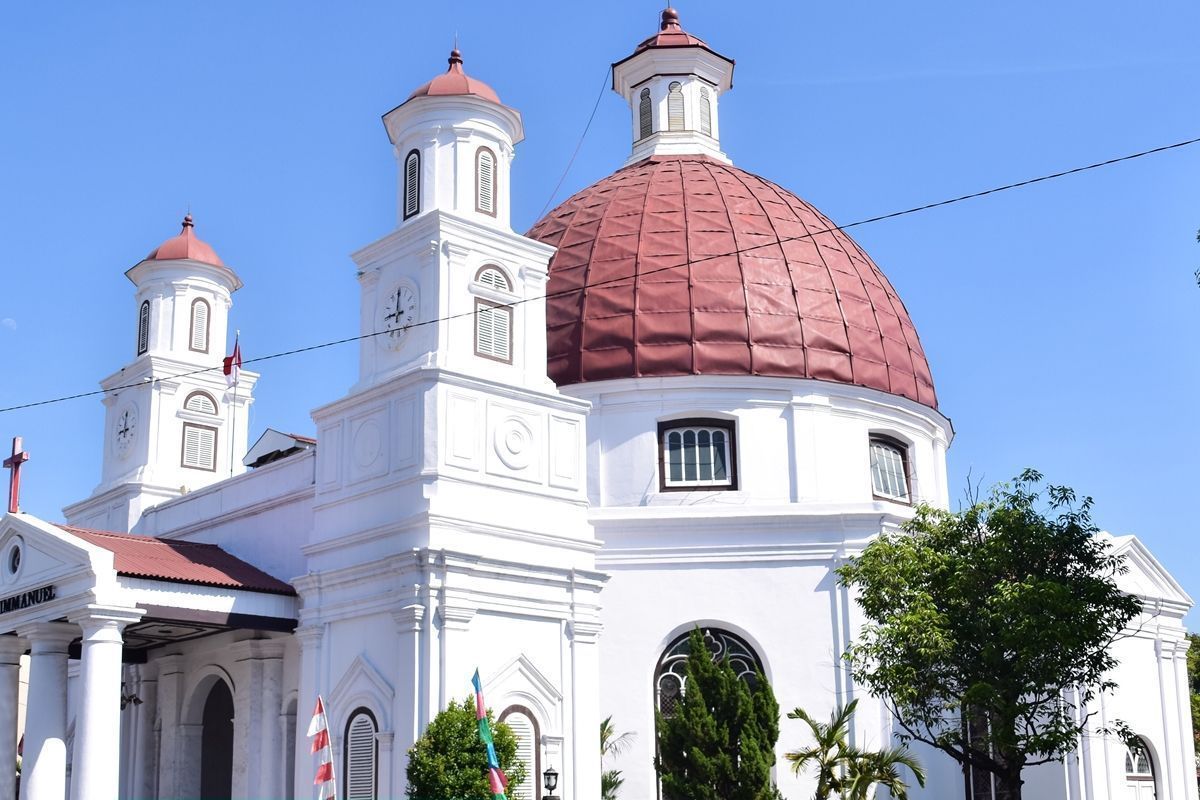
(705, 112)
(199, 447)
(362, 757)
(412, 184)
(198, 340)
(494, 278)
(201, 403)
(143, 343)
(525, 729)
(697, 454)
(493, 331)
(485, 181)
(675, 106)
(645, 115)
(889, 469)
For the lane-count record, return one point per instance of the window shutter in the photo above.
(675, 106)
(199, 447)
(412, 185)
(522, 728)
(705, 112)
(143, 342)
(494, 278)
(201, 404)
(493, 331)
(199, 338)
(361, 767)
(645, 115)
(485, 182)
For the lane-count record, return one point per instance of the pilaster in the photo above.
(11, 650)
(257, 674)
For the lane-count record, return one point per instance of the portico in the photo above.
(111, 600)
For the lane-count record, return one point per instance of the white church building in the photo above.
(682, 399)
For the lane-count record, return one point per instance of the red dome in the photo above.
(185, 245)
(670, 34)
(454, 81)
(646, 283)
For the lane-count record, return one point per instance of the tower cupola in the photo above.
(672, 82)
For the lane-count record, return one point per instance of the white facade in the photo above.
(460, 512)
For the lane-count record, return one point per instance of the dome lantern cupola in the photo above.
(672, 82)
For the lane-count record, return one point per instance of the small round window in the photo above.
(13, 556)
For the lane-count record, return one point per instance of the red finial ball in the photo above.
(187, 221)
(670, 18)
(455, 57)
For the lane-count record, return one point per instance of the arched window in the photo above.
(198, 335)
(412, 184)
(889, 469)
(525, 727)
(360, 767)
(670, 677)
(645, 115)
(485, 181)
(143, 342)
(675, 106)
(696, 454)
(493, 331)
(705, 112)
(494, 278)
(1139, 772)
(216, 743)
(199, 447)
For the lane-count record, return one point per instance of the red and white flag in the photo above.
(318, 731)
(231, 365)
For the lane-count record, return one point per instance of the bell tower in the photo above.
(172, 423)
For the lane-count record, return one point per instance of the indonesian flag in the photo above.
(318, 731)
(231, 365)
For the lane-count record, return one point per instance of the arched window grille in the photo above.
(494, 278)
(696, 454)
(675, 106)
(705, 112)
(525, 727)
(1139, 772)
(485, 181)
(360, 763)
(645, 115)
(201, 403)
(889, 469)
(198, 336)
(670, 677)
(143, 340)
(412, 184)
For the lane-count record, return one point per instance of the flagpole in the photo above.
(233, 433)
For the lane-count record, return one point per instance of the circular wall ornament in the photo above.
(513, 440)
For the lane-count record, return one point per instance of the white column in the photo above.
(170, 764)
(309, 638)
(95, 769)
(585, 716)
(11, 650)
(257, 702)
(44, 766)
(144, 758)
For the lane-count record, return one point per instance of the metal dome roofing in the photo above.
(455, 82)
(185, 245)
(684, 265)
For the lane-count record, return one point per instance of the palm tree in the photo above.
(611, 744)
(847, 771)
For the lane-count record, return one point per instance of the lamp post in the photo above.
(550, 778)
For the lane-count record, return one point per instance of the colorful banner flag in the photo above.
(497, 780)
(318, 731)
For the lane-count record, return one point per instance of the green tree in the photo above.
(1193, 671)
(719, 744)
(1001, 614)
(450, 761)
(611, 744)
(849, 771)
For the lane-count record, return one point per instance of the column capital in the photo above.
(409, 618)
(309, 635)
(104, 623)
(257, 649)
(11, 649)
(48, 637)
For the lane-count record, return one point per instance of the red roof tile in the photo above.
(180, 562)
(454, 81)
(185, 245)
(684, 265)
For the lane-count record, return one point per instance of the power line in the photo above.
(686, 262)
(579, 144)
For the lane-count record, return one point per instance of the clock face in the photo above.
(399, 314)
(125, 429)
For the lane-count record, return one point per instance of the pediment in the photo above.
(362, 685)
(520, 682)
(1147, 577)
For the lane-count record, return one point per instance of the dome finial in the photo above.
(187, 220)
(670, 20)
(455, 56)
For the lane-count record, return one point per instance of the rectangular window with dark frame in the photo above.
(199, 447)
(493, 331)
(889, 469)
(696, 454)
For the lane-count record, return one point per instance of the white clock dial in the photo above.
(125, 429)
(399, 314)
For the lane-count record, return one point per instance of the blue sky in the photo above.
(1061, 321)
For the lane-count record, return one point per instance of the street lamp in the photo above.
(551, 783)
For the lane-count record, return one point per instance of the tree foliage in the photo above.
(1002, 614)
(848, 771)
(1193, 672)
(719, 744)
(450, 760)
(612, 744)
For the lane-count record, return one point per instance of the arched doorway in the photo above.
(1139, 773)
(216, 744)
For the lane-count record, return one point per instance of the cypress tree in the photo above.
(719, 744)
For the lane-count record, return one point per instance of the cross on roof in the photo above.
(13, 464)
